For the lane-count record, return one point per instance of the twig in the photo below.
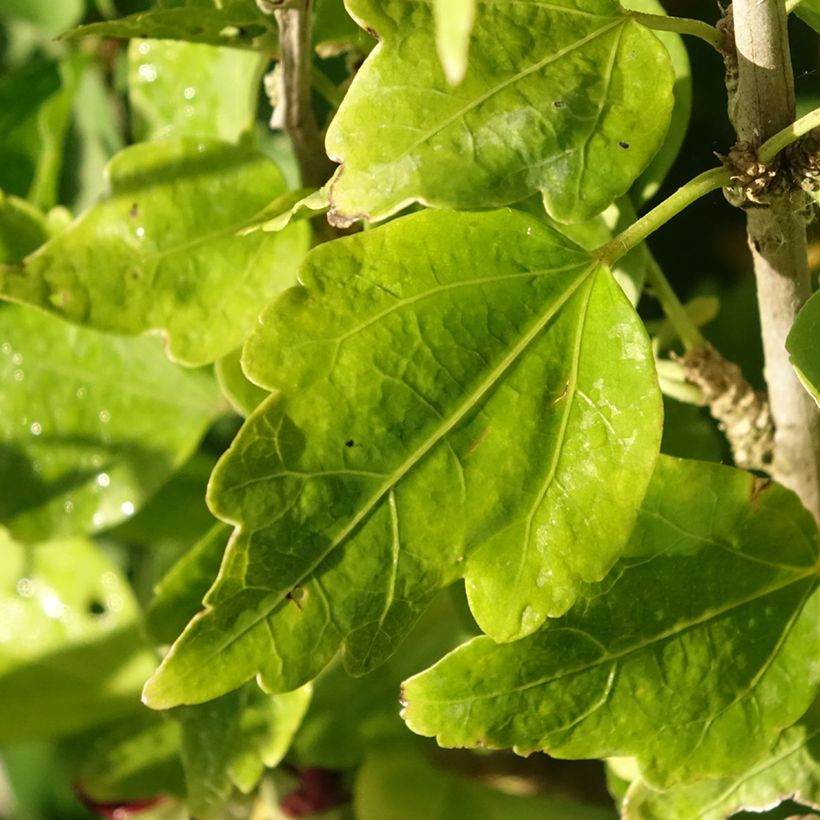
(763, 105)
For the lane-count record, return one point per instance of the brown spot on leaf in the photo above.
(298, 595)
(135, 210)
(760, 487)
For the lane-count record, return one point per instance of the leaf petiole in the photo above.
(693, 190)
(680, 25)
(785, 137)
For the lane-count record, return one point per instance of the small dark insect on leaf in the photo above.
(349, 443)
(559, 104)
(623, 144)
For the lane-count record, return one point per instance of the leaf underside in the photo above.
(576, 115)
(690, 655)
(485, 407)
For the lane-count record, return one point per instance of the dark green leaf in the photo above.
(70, 655)
(162, 251)
(133, 759)
(692, 655)
(22, 229)
(179, 595)
(421, 435)
(90, 425)
(566, 98)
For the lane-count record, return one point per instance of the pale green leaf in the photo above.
(70, 655)
(233, 23)
(181, 89)
(454, 23)
(565, 98)
(301, 204)
(461, 394)
(334, 30)
(46, 14)
(790, 770)
(803, 344)
(401, 784)
(242, 393)
(90, 425)
(229, 742)
(692, 655)
(162, 250)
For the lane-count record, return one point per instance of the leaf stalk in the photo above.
(679, 25)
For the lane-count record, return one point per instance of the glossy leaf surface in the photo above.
(233, 23)
(803, 345)
(790, 771)
(90, 424)
(70, 655)
(187, 89)
(570, 99)
(482, 408)
(690, 656)
(400, 784)
(162, 251)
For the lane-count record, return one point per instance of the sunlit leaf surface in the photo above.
(567, 98)
(460, 394)
(690, 656)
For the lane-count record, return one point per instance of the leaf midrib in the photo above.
(424, 448)
(677, 629)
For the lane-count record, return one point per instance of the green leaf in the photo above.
(23, 229)
(803, 344)
(133, 759)
(162, 251)
(179, 594)
(46, 14)
(809, 12)
(401, 784)
(334, 31)
(454, 23)
(233, 23)
(70, 655)
(230, 741)
(301, 204)
(242, 393)
(184, 89)
(790, 770)
(90, 425)
(420, 436)
(648, 183)
(576, 114)
(349, 716)
(692, 655)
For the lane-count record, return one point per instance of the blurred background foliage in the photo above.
(66, 107)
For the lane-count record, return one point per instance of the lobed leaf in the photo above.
(791, 770)
(229, 742)
(90, 425)
(162, 251)
(692, 655)
(242, 393)
(460, 395)
(233, 23)
(569, 98)
(70, 654)
(804, 347)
